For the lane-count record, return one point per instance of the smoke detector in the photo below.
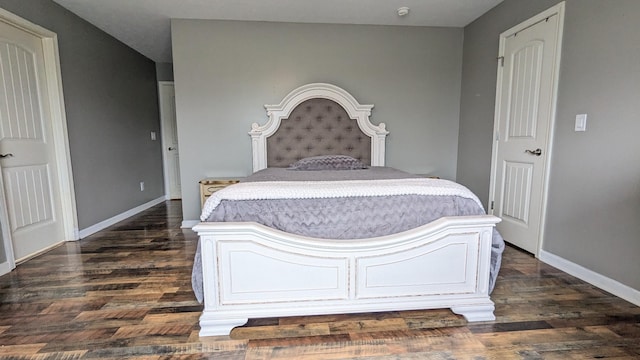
(403, 11)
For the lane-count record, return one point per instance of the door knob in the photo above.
(536, 152)
(171, 148)
(6, 155)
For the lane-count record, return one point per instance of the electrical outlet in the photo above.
(141, 185)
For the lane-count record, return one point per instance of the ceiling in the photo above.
(145, 25)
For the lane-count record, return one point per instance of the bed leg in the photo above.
(216, 327)
(475, 312)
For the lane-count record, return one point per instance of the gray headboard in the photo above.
(317, 119)
(317, 127)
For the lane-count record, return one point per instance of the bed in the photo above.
(263, 252)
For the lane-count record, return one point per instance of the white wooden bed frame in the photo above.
(252, 271)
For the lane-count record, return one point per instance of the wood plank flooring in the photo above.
(125, 292)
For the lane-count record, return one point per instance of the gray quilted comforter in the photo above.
(345, 218)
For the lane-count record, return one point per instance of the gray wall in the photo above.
(111, 101)
(164, 71)
(594, 189)
(226, 71)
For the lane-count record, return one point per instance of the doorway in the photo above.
(527, 81)
(34, 151)
(170, 148)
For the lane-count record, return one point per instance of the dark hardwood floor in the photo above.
(125, 292)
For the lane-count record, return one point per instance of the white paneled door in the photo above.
(525, 106)
(27, 148)
(171, 153)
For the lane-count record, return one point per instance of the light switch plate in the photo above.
(581, 122)
(153, 135)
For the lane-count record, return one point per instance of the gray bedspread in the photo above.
(345, 218)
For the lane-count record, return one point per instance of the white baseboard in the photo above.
(616, 288)
(188, 224)
(113, 220)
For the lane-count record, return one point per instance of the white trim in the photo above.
(355, 110)
(10, 262)
(607, 284)
(559, 10)
(61, 139)
(113, 220)
(188, 224)
(69, 216)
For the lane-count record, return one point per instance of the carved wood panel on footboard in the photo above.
(251, 271)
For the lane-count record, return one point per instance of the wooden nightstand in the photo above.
(210, 185)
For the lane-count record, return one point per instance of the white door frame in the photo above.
(5, 233)
(559, 10)
(60, 138)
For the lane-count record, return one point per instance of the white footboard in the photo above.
(252, 271)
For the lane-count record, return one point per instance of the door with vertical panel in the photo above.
(171, 154)
(524, 114)
(27, 151)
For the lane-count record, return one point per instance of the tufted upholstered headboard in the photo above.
(317, 119)
(317, 127)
